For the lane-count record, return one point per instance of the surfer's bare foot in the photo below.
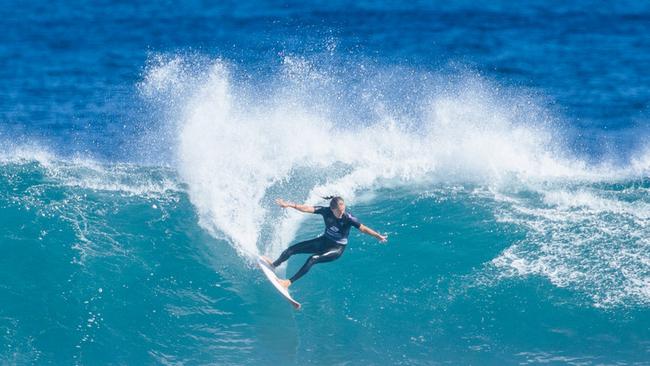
(285, 283)
(268, 260)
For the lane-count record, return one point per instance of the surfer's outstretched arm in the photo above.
(301, 208)
(366, 230)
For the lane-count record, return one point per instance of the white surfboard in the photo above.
(268, 272)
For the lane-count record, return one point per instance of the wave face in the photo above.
(502, 148)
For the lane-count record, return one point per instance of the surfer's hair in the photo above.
(334, 201)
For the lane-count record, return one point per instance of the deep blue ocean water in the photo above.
(502, 147)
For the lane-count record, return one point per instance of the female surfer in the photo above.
(328, 246)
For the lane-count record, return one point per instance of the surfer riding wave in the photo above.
(331, 244)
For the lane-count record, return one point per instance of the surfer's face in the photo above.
(340, 209)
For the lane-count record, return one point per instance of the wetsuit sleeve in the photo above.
(320, 210)
(354, 221)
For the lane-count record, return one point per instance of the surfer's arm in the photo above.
(301, 208)
(366, 230)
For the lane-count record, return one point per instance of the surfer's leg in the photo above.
(308, 246)
(327, 256)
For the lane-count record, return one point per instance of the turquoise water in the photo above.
(107, 264)
(501, 147)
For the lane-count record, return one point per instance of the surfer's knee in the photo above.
(314, 259)
(331, 255)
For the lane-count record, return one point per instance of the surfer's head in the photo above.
(337, 205)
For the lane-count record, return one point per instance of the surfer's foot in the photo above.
(285, 283)
(268, 260)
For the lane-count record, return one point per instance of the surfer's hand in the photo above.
(282, 203)
(382, 238)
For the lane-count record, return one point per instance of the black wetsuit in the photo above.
(326, 247)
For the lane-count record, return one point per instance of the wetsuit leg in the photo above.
(327, 256)
(308, 246)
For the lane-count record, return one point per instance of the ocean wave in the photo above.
(313, 131)
(239, 145)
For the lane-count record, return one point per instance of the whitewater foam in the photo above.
(581, 240)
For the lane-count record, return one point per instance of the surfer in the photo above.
(331, 244)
